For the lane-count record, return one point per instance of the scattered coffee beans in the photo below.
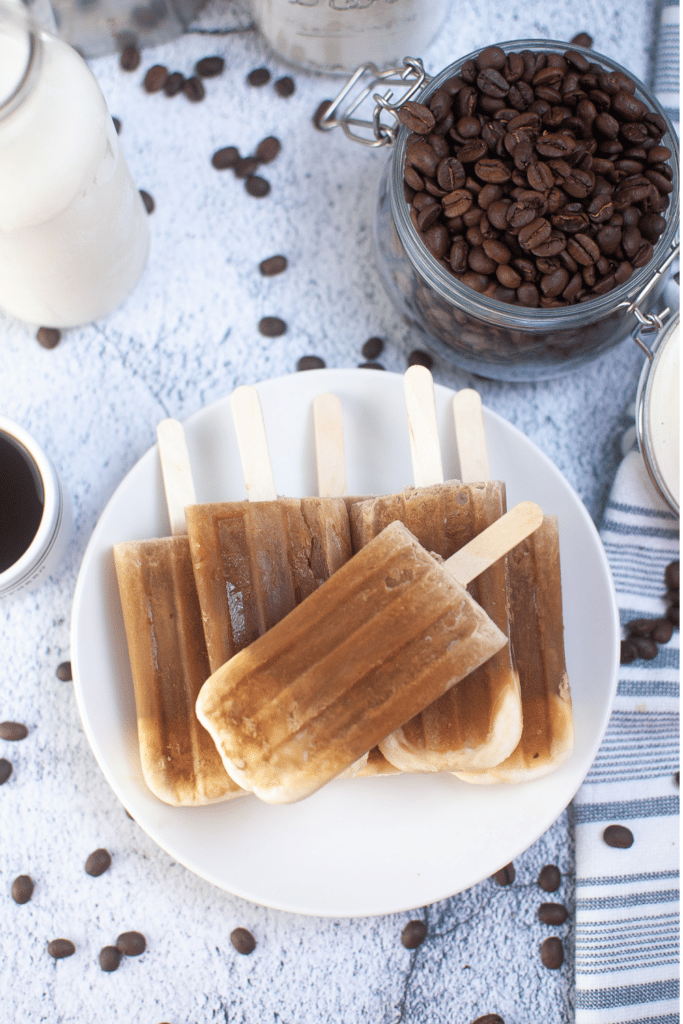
(285, 87)
(110, 958)
(22, 889)
(582, 39)
(209, 67)
(257, 186)
(147, 200)
(618, 836)
(489, 1018)
(225, 158)
(98, 862)
(131, 943)
(155, 78)
(538, 179)
(320, 113)
(258, 77)
(549, 878)
(310, 363)
(272, 326)
(552, 953)
(505, 876)
(273, 265)
(64, 671)
(5, 770)
(194, 89)
(130, 58)
(13, 731)
(552, 913)
(59, 948)
(643, 635)
(243, 941)
(372, 348)
(48, 337)
(414, 934)
(175, 83)
(419, 358)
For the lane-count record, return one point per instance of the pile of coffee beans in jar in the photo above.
(538, 179)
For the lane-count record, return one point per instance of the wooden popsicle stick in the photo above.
(176, 473)
(494, 542)
(470, 436)
(330, 458)
(423, 427)
(253, 444)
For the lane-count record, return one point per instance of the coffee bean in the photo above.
(310, 363)
(147, 200)
(98, 862)
(645, 647)
(59, 948)
(194, 89)
(640, 627)
(273, 265)
(22, 889)
(131, 943)
(110, 958)
(175, 84)
(155, 78)
(130, 58)
(505, 876)
(48, 337)
(628, 652)
(417, 117)
(618, 836)
(257, 186)
(285, 86)
(582, 39)
(225, 158)
(13, 731)
(552, 913)
(272, 326)
(63, 672)
(320, 113)
(414, 934)
(489, 1018)
(245, 166)
(243, 941)
(372, 348)
(258, 77)
(268, 149)
(419, 358)
(209, 67)
(5, 770)
(552, 953)
(549, 878)
(663, 631)
(672, 575)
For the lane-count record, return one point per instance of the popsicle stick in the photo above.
(423, 427)
(176, 473)
(470, 436)
(494, 542)
(329, 446)
(253, 444)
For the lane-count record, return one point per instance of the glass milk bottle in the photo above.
(74, 237)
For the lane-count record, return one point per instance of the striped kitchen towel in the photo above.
(666, 80)
(627, 920)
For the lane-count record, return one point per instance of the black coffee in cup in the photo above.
(22, 497)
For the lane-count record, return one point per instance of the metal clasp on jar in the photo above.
(411, 77)
(651, 322)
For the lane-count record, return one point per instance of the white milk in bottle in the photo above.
(74, 237)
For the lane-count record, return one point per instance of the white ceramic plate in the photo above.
(363, 846)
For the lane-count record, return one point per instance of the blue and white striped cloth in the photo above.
(666, 80)
(627, 900)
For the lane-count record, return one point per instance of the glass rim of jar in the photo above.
(495, 311)
(22, 18)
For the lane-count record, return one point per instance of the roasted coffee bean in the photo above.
(268, 149)
(258, 77)
(225, 158)
(640, 627)
(245, 166)
(457, 202)
(424, 159)
(209, 67)
(273, 265)
(552, 913)
(130, 58)
(110, 958)
(549, 878)
(147, 200)
(473, 151)
(257, 186)
(48, 337)
(243, 941)
(428, 215)
(436, 240)
(414, 934)
(582, 39)
(479, 262)
(194, 89)
(59, 948)
(492, 171)
(663, 631)
(310, 363)
(175, 83)
(505, 876)
(131, 943)
(672, 575)
(651, 226)
(5, 770)
(155, 78)
(417, 117)
(63, 672)
(458, 255)
(22, 889)
(618, 836)
(528, 295)
(98, 862)
(373, 347)
(508, 276)
(419, 358)
(285, 87)
(450, 174)
(272, 326)
(13, 731)
(552, 953)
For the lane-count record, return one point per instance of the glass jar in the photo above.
(74, 233)
(658, 412)
(463, 327)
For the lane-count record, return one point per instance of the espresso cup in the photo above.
(35, 513)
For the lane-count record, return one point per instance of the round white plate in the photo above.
(358, 846)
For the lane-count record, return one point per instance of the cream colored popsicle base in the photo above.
(387, 634)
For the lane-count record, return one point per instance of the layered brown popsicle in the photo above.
(478, 723)
(166, 647)
(387, 634)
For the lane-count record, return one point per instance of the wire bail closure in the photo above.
(650, 322)
(411, 77)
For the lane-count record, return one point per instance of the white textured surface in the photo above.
(187, 336)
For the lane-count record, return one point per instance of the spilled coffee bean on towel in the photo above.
(537, 179)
